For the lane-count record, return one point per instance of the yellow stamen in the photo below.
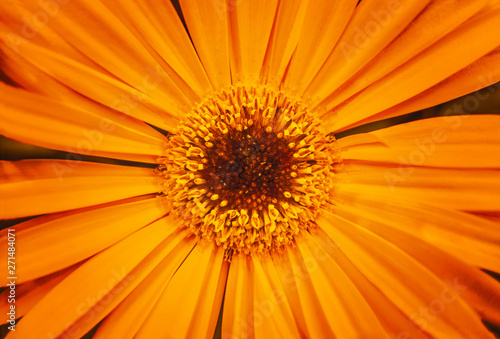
(249, 170)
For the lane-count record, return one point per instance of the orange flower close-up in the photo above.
(243, 169)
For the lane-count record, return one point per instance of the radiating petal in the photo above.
(323, 23)
(402, 227)
(107, 90)
(250, 24)
(422, 72)
(160, 30)
(434, 22)
(444, 160)
(372, 27)
(128, 317)
(304, 303)
(285, 35)
(33, 119)
(341, 301)
(392, 318)
(208, 27)
(33, 187)
(262, 310)
(449, 141)
(35, 80)
(409, 284)
(114, 48)
(64, 233)
(467, 190)
(238, 318)
(202, 277)
(30, 293)
(474, 78)
(94, 289)
(472, 239)
(322, 298)
(273, 316)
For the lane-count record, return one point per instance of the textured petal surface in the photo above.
(127, 318)
(250, 24)
(36, 120)
(94, 289)
(136, 84)
(421, 72)
(323, 23)
(30, 293)
(35, 80)
(448, 141)
(269, 314)
(98, 227)
(207, 22)
(408, 283)
(197, 288)
(45, 186)
(445, 160)
(427, 233)
(372, 27)
(472, 239)
(433, 23)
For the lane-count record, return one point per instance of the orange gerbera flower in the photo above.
(241, 195)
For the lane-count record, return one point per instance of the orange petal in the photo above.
(422, 72)
(97, 228)
(321, 295)
(304, 303)
(33, 119)
(323, 23)
(432, 24)
(372, 27)
(411, 286)
(114, 48)
(482, 73)
(208, 27)
(273, 316)
(203, 276)
(472, 239)
(341, 301)
(250, 24)
(469, 190)
(392, 318)
(262, 311)
(34, 80)
(449, 141)
(95, 288)
(128, 317)
(284, 38)
(160, 30)
(105, 89)
(30, 293)
(141, 89)
(237, 317)
(402, 227)
(35, 187)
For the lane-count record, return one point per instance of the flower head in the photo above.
(211, 179)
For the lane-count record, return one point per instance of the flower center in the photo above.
(249, 169)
